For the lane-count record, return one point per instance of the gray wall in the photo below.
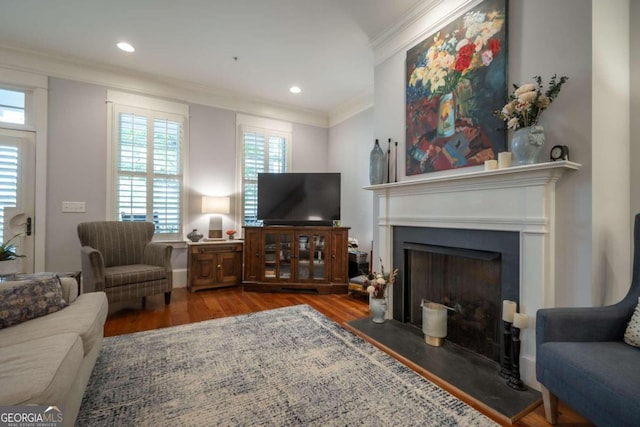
(310, 148)
(349, 145)
(77, 166)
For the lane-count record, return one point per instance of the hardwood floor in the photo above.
(189, 307)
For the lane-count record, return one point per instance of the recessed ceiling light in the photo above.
(295, 89)
(125, 46)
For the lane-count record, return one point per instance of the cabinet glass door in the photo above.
(311, 256)
(277, 260)
(285, 256)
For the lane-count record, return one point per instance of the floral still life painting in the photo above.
(455, 80)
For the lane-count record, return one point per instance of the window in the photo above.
(263, 149)
(12, 106)
(9, 179)
(148, 168)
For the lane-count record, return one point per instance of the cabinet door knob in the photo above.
(219, 266)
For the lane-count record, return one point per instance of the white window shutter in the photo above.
(264, 151)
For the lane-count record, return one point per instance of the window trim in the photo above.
(260, 125)
(126, 102)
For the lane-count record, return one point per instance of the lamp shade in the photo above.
(215, 205)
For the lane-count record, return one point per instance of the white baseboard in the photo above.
(180, 278)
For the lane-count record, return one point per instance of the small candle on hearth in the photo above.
(520, 320)
(508, 310)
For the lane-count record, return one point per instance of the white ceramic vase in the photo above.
(378, 309)
(526, 145)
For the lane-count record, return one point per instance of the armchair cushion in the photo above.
(137, 273)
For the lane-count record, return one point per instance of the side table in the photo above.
(214, 264)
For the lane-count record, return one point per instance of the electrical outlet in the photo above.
(75, 207)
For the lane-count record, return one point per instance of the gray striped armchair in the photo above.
(120, 259)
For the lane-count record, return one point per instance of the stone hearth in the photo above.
(518, 199)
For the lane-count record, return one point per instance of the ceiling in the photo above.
(256, 48)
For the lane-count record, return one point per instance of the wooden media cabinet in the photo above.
(296, 258)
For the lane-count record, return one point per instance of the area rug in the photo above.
(285, 367)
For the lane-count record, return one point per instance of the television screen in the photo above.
(298, 198)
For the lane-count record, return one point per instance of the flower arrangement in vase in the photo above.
(527, 102)
(377, 283)
(522, 114)
(231, 234)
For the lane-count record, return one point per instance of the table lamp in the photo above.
(215, 206)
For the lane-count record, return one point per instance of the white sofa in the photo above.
(48, 360)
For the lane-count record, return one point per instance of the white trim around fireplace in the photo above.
(520, 199)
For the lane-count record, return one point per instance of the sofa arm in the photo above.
(158, 254)
(93, 270)
(582, 323)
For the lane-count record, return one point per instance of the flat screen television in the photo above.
(298, 198)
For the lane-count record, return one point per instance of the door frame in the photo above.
(37, 85)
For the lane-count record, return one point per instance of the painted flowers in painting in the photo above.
(527, 102)
(377, 283)
(458, 53)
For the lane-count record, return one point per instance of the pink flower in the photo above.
(487, 57)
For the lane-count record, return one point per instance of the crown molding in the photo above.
(153, 85)
(421, 22)
(351, 107)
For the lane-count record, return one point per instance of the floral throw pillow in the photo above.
(632, 334)
(24, 300)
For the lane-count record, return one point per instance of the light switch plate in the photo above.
(76, 207)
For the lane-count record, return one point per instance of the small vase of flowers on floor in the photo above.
(377, 285)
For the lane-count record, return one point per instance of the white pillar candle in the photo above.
(520, 320)
(504, 160)
(508, 310)
(490, 165)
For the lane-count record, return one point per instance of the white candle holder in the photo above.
(434, 323)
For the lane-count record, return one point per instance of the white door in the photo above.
(17, 193)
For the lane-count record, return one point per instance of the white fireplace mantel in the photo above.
(520, 199)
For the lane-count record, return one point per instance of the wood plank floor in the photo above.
(189, 307)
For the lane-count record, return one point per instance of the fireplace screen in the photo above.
(468, 282)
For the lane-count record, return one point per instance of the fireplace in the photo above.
(470, 271)
(518, 201)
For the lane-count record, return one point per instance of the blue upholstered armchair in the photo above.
(119, 258)
(583, 361)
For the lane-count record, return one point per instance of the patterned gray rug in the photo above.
(286, 367)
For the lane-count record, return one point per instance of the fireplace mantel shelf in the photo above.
(545, 171)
